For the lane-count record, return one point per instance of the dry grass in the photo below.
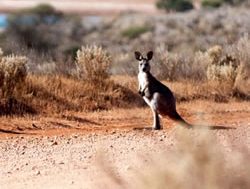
(56, 94)
(188, 90)
(48, 94)
(196, 161)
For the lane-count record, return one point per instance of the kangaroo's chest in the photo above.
(147, 86)
(143, 80)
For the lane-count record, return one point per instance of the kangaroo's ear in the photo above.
(150, 55)
(138, 55)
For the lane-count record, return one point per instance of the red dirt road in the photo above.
(61, 151)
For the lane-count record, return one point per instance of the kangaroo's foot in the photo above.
(156, 127)
(156, 124)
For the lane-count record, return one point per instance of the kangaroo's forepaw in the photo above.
(141, 93)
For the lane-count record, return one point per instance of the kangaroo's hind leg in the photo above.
(156, 124)
(154, 108)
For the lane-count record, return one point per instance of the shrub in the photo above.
(173, 66)
(169, 65)
(12, 74)
(44, 10)
(242, 81)
(135, 31)
(93, 64)
(221, 68)
(212, 3)
(236, 2)
(177, 5)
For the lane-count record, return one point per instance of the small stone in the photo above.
(75, 136)
(128, 168)
(38, 173)
(54, 143)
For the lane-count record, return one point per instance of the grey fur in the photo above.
(158, 96)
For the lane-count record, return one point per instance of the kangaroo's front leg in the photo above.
(142, 90)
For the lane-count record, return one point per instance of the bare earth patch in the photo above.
(62, 151)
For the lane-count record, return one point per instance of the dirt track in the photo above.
(61, 151)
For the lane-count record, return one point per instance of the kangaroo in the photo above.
(158, 96)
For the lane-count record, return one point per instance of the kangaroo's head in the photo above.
(144, 65)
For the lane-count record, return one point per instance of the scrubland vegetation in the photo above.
(200, 55)
(216, 74)
(52, 63)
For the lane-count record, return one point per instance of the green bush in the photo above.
(212, 3)
(135, 31)
(176, 5)
(235, 2)
(218, 3)
(44, 10)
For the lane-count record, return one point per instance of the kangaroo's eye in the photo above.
(140, 64)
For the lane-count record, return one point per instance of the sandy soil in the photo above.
(63, 151)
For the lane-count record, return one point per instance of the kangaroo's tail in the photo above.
(175, 116)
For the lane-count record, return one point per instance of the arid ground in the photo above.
(65, 151)
(74, 119)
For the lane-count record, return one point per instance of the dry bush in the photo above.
(221, 68)
(93, 64)
(195, 161)
(13, 73)
(231, 68)
(172, 66)
(242, 81)
(169, 65)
